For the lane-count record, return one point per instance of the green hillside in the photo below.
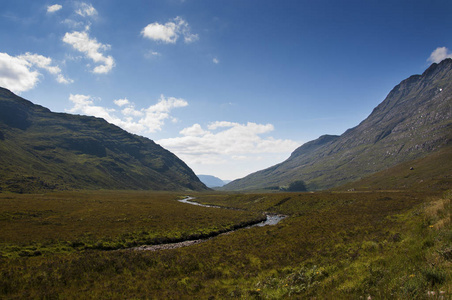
(413, 121)
(42, 150)
(429, 173)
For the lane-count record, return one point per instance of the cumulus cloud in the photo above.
(226, 138)
(46, 64)
(81, 41)
(54, 8)
(121, 102)
(439, 54)
(169, 32)
(86, 10)
(195, 130)
(16, 75)
(146, 120)
(228, 149)
(85, 104)
(20, 73)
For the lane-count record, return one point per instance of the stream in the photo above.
(272, 219)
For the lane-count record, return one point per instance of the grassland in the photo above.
(33, 225)
(332, 245)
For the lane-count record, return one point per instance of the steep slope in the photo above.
(40, 150)
(432, 172)
(414, 120)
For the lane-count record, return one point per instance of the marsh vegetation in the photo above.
(382, 244)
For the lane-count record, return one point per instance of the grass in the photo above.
(428, 173)
(42, 151)
(333, 245)
(70, 221)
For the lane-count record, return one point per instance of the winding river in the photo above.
(271, 219)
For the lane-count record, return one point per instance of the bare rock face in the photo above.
(414, 120)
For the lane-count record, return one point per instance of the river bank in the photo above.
(270, 220)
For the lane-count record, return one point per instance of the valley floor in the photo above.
(332, 245)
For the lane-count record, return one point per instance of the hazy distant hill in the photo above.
(212, 181)
(413, 121)
(40, 149)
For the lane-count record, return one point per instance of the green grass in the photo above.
(41, 151)
(70, 221)
(432, 172)
(394, 245)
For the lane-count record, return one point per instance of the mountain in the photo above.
(211, 181)
(43, 150)
(432, 172)
(413, 121)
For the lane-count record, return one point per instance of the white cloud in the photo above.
(46, 64)
(121, 102)
(73, 24)
(92, 49)
(439, 54)
(215, 61)
(194, 130)
(141, 121)
(225, 149)
(225, 142)
(86, 10)
(85, 104)
(54, 8)
(20, 73)
(169, 32)
(155, 115)
(16, 75)
(151, 54)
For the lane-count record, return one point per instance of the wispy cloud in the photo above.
(151, 54)
(20, 73)
(81, 41)
(86, 10)
(216, 60)
(139, 121)
(439, 54)
(54, 8)
(169, 32)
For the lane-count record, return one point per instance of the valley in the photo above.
(332, 244)
(88, 210)
(225, 150)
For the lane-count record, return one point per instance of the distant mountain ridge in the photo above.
(212, 181)
(42, 150)
(414, 120)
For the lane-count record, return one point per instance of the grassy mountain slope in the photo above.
(414, 120)
(40, 150)
(431, 172)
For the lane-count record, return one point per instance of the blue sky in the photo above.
(231, 86)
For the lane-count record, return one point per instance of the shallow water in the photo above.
(272, 219)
